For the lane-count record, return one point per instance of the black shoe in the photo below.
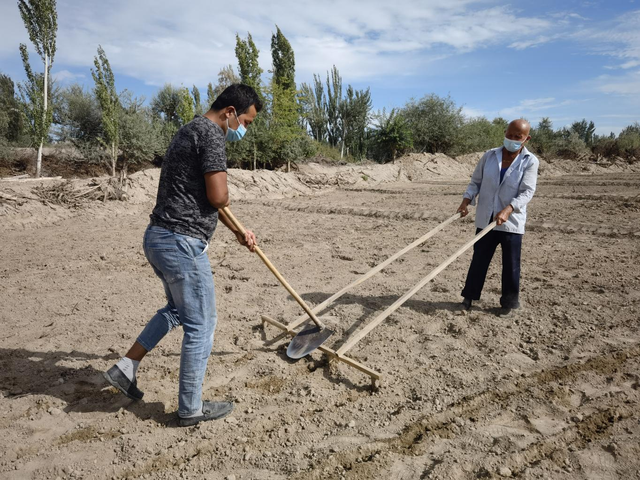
(210, 411)
(505, 312)
(119, 380)
(466, 303)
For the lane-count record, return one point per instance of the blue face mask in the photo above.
(235, 135)
(512, 145)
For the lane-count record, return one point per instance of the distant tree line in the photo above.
(117, 129)
(435, 124)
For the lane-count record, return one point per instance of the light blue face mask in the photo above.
(512, 145)
(235, 135)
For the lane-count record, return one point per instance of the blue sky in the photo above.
(566, 60)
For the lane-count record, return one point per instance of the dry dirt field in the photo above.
(552, 393)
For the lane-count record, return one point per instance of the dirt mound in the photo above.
(20, 207)
(563, 166)
(423, 167)
(63, 160)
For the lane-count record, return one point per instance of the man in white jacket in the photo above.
(503, 183)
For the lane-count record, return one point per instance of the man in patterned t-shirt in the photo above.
(193, 186)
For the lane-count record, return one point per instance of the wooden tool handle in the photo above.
(376, 321)
(273, 269)
(376, 269)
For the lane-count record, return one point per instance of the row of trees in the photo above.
(120, 129)
(435, 124)
(580, 140)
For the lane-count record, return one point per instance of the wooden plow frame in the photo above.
(340, 354)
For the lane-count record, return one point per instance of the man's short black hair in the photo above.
(239, 96)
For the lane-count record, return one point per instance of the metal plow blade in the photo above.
(307, 340)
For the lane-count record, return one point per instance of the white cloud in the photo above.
(65, 76)
(529, 107)
(469, 112)
(157, 42)
(619, 39)
(534, 42)
(537, 103)
(630, 64)
(395, 44)
(628, 84)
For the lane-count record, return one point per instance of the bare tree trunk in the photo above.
(39, 161)
(113, 159)
(288, 166)
(255, 156)
(44, 115)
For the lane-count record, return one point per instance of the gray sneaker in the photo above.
(210, 411)
(119, 380)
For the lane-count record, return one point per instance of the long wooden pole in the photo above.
(380, 318)
(349, 361)
(273, 269)
(318, 308)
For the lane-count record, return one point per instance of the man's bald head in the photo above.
(516, 135)
(520, 128)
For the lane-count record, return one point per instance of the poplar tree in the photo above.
(107, 96)
(355, 113)
(211, 94)
(284, 63)
(197, 106)
(11, 120)
(250, 72)
(41, 21)
(286, 129)
(226, 77)
(313, 102)
(185, 109)
(333, 107)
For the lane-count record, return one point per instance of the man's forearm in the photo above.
(227, 223)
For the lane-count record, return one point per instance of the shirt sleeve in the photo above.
(527, 186)
(476, 179)
(211, 150)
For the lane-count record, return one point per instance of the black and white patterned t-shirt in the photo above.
(182, 205)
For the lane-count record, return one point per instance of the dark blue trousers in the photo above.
(483, 251)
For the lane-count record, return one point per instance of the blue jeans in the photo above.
(483, 251)
(181, 262)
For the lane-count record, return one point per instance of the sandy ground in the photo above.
(551, 393)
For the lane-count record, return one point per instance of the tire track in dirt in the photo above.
(591, 428)
(469, 406)
(413, 440)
